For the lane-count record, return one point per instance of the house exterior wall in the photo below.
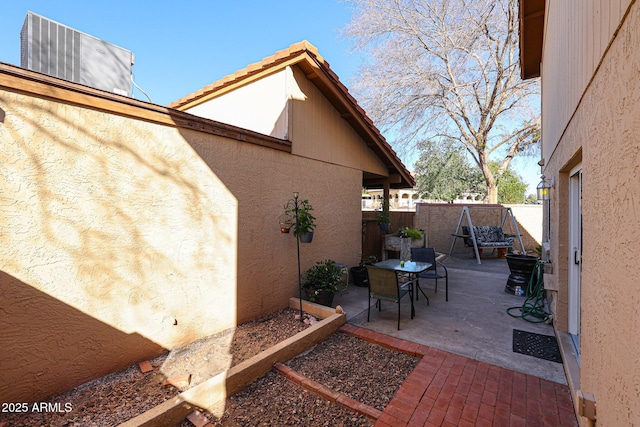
(599, 128)
(287, 105)
(318, 131)
(260, 106)
(125, 233)
(587, 27)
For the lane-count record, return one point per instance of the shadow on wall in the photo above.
(118, 218)
(42, 337)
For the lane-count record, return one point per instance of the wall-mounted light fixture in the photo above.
(544, 188)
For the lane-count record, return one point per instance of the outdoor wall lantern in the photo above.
(544, 188)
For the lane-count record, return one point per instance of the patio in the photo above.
(473, 323)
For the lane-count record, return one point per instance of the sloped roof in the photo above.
(317, 70)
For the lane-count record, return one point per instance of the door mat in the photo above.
(536, 345)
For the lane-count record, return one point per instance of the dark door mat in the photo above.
(536, 345)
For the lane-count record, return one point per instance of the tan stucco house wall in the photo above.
(590, 69)
(128, 229)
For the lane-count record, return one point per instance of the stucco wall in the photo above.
(604, 134)
(260, 106)
(340, 144)
(588, 29)
(122, 236)
(439, 220)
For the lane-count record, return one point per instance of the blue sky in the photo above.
(180, 47)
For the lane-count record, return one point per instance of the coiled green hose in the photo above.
(533, 308)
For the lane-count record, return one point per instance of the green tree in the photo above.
(511, 187)
(443, 172)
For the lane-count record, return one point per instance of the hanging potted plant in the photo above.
(305, 222)
(322, 281)
(286, 221)
(382, 217)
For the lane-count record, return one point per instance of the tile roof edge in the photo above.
(265, 63)
(295, 49)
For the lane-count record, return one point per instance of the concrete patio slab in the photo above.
(473, 323)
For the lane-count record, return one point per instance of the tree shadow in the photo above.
(54, 343)
(114, 217)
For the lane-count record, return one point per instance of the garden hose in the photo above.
(533, 308)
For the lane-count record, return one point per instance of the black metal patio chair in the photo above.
(436, 271)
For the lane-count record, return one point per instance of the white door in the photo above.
(575, 255)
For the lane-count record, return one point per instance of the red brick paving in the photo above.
(446, 389)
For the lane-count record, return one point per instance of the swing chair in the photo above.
(485, 236)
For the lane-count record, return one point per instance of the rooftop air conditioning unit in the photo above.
(59, 51)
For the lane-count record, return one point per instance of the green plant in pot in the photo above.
(382, 216)
(411, 232)
(322, 281)
(305, 224)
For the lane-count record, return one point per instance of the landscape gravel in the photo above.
(364, 371)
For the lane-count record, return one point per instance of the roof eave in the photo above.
(531, 17)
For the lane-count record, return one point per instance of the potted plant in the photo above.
(412, 233)
(359, 273)
(403, 240)
(305, 224)
(382, 216)
(322, 281)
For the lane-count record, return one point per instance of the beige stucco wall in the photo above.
(122, 235)
(440, 220)
(603, 132)
(588, 27)
(287, 105)
(315, 138)
(260, 106)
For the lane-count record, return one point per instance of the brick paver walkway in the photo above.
(446, 389)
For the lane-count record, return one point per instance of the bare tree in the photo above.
(447, 70)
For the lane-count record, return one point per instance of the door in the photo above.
(575, 256)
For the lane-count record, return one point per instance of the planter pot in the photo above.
(385, 227)
(360, 276)
(321, 297)
(521, 268)
(306, 238)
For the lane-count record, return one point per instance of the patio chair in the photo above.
(436, 271)
(384, 285)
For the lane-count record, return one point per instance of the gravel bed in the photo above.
(122, 395)
(362, 370)
(273, 400)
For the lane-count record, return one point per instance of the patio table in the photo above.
(410, 267)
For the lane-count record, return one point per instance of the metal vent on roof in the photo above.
(59, 51)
